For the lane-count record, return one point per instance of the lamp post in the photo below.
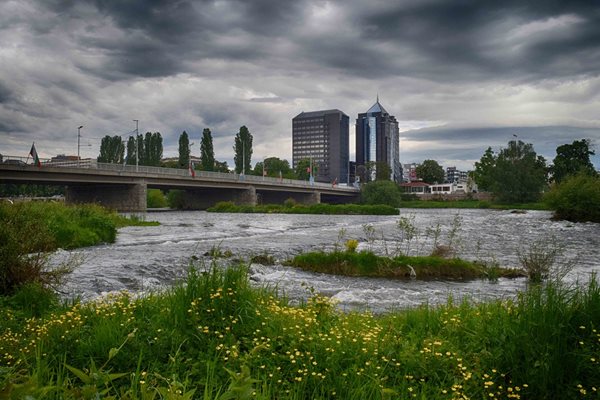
(78, 141)
(243, 157)
(137, 147)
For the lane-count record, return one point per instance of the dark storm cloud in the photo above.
(160, 38)
(186, 65)
(456, 37)
(6, 94)
(437, 40)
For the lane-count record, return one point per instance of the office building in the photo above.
(378, 141)
(323, 138)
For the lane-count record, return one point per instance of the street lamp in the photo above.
(137, 147)
(78, 141)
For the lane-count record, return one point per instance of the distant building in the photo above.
(455, 176)
(378, 140)
(323, 138)
(409, 172)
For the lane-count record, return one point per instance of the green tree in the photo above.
(572, 159)
(383, 171)
(381, 192)
(221, 166)
(184, 150)
(430, 172)
(112, 150)
(243, 150)
(519, 174)
(576, 198)
(484, 170)
(131, 151)
(303, 169)
(273, 167)
(207, 151)
(152, 149)
(140, 150)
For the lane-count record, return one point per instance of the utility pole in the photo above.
(78, 141)
(243, 157)
(137, 146)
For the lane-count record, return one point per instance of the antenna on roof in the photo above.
(378, 97)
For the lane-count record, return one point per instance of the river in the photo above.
(150, 258)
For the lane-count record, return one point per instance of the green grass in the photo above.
(292, 208)
(471, 204)
(215, 337)
(31, 230)
(366, 263)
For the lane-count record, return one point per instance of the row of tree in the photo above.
(517, 174)
(150, 149)
(142, 150)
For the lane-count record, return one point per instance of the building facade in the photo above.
(378, 141)
(323, 138)
(453, 175)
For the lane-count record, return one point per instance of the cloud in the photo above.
(475, 71)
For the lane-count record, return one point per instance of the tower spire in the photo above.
(378, 97)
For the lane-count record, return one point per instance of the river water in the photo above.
(150, 258)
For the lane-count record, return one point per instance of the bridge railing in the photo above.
(161, 171)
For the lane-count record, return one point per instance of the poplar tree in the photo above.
(111, 150)
(207, 152)
(184, 150)
(243, 150)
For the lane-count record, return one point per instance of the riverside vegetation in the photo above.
(291, 207)
(215, 336)
(31, 230)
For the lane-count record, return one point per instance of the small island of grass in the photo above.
(291, 207)
(366, 263)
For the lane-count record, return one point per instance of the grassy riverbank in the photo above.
(294, 208)
(471, 204)
(366, 263)
(30, 230)
(215, 337)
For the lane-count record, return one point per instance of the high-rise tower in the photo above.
(323, 138)
(378, 141)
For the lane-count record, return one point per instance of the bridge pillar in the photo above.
(312, 198)
(125, 198)
(246, 197)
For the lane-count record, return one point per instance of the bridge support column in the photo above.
(312, 198)
(125, 198)
(246, 197)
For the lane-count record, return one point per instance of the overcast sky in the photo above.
(458, 75)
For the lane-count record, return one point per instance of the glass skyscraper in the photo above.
(378, 141)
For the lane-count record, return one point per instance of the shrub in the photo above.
(289, 203)
(381, 192)
(544, 260)
(156, 199)
(576, 199)
(224, 206)
(176, 199)
(31, 230)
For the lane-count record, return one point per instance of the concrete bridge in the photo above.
(124, 187)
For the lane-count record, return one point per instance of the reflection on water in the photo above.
(146, 258)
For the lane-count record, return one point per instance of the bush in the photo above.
(576, 199)
(31, 230)
(381, 192)
(156, 199)
(176, 199)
